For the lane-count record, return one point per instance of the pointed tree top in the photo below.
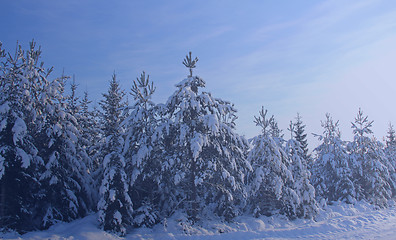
(391, 137)
(291, 128)
(190, 63)
(142, 89)
(263, 122)
(362, 125)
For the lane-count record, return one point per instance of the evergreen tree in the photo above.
(332, 174)
(274, 129)
(271, 182)
(306, 205)
(22, 80)
(44, 177)
(140, 125)
(390, 152)
(72, 99)
(115, 206)
(65, 180)
(91, 141)
(301, 136)
(92, 132)
(78, 109)
(371, 174)
(203, 158)
(391, 137)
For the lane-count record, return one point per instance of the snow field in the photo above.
(339, 221)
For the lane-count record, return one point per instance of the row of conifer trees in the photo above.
(137, 164)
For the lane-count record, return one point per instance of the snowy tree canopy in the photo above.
(305, 205)
(332, 174)
(138, 146)
(271, 183)
(66, 192)
(203, 158)
(115, 205)
(23, 79)
(372, 178)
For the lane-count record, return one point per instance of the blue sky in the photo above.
(310, 57)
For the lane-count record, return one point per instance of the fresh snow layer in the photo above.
(340, 221)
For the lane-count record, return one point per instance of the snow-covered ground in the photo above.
(339, 221)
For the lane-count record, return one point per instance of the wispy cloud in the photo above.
(300, 61)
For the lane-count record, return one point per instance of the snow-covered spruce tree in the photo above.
(274, 130)
(91, 141)
(141, 168)
(390, 152)
(203, 164)
(332, 173)
(371, 174)
(306, 205)
(301, 137)
(85, 142)
(72, 99)
(65, 179)
(79, 110)
(90, 130)
(391, 137)
(115, 206)
(22, 78)
(271, 183)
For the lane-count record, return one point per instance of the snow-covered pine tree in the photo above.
(92, 132)
(390, 152)
(115, 206)
(72, 98)
(371, 174)
(391, 137)
(301, 137)
(143, 170)
(332, 173)
(91, 141)
(275, 131)
(65, 180)
(271, 182)
(204, 166)
(22, 79)
(306, 205)
(79, 110)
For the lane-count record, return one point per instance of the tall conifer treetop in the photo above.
(301, 136)
(190, 63)
(142, 89)
(291, 129)
(362, 125)
(391, 137)
(263, 122)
